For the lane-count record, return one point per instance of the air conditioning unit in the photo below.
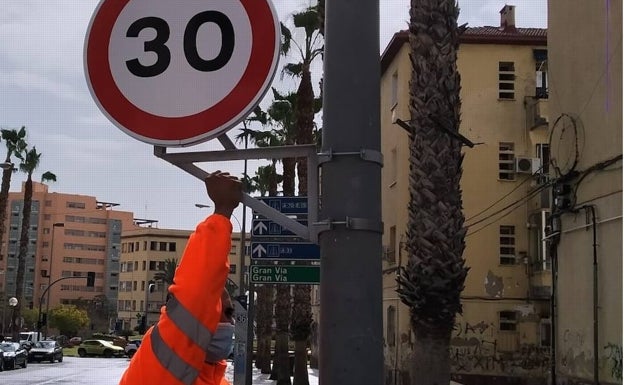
(526, 165)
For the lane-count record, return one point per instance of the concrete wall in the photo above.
(585, 58)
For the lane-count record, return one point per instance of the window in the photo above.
(507, 320)
(541, 73)
(390, 252)
(134, 285)
(48, 203)
(393, 167)
(172, 246)
(506, 80)
(75, 205)
(545, 332)
(144, 265)
(162, 246)
(542, 151)
(144, 245)
(136, 265)
(391, 325)
(153, 245)
(394, 96)
(507, 241)
(506, 157)
(232, 269)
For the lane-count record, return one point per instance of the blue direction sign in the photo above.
(287, 205)
(268, 228)
(285, 250)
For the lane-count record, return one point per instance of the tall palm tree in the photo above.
(16, 144)
(431, 283)
(266, 180)
(28, 165)
(306, 107)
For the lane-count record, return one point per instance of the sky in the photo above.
(43, 87)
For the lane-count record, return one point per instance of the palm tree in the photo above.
(305, 108)
(166, 272)
(431, 283)
(28, 165)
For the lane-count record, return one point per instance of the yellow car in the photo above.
(99, 348)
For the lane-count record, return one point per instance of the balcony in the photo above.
(536, 111)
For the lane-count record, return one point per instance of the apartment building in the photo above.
(585, 54)
(504, 332)
(70, 235)
(144, 253)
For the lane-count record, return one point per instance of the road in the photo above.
(72, 371)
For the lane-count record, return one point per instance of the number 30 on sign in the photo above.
(175, 73)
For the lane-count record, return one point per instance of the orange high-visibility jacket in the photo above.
(173, 351)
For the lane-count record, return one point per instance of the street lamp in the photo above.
(55, 225)
(150, 288)
(12, 327)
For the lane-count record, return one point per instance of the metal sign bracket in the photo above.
(186, 161)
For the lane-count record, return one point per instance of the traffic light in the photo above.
(90, 279)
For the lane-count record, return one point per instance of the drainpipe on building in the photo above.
(595, 289)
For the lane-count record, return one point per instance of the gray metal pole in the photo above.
(351, 278)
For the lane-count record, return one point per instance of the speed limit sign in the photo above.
(174, 73)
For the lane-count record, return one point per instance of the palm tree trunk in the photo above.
(4, 196)
(433, 279)
(22, 256)
(264, 328)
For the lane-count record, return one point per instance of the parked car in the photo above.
(1, 360)
(99, 348)
(75, 341)
(132, 347)
(13, 355)
(46, 351)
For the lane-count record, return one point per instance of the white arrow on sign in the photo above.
(260, 228)
(259, 250)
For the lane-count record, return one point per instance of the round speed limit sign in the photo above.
(174, 73)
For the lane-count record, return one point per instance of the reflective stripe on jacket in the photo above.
(174, 350)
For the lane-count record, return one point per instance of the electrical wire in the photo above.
(600, 166)
(504, 196)
(518, 204)
(523, 199)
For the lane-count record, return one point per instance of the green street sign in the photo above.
(292, 275)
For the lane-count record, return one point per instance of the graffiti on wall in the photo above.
(575, 356)
(474, 349)
(614, 360)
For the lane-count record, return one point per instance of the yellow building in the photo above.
(505, 328)
(585, 57)
(143, 254)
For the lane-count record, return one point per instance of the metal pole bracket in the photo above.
(362, 224)
(365, 154)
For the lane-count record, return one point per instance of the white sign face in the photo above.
(175, 74)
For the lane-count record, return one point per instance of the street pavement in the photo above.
(72, 371)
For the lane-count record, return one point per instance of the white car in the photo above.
(132, 347)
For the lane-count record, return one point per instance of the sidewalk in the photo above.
(258, 378)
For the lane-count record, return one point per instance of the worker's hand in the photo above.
(225, 190)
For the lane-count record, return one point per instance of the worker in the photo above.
(193, 337)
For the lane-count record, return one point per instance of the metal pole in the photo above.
(241, 264)
(55, 225)
(351, 278)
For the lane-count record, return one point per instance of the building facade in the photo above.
(144, 253)
(504, 332)
(70, 235)
(585, 57)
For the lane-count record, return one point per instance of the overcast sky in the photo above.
(43, 87)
